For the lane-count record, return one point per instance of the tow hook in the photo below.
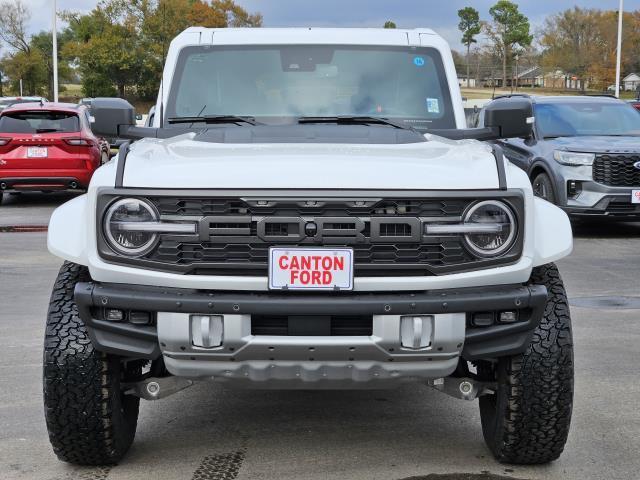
(157, 388)
(463, 388)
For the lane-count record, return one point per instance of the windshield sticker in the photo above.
(418, 61)
(433, 105)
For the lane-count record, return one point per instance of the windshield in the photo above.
(39, 122)
(278, 84)
(586, 118)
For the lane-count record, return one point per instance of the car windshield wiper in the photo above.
(214, 119)
(355, 120)
(47, 130)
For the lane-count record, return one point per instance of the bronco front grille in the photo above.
(370, 260)
(386, 234)
(617, 170)
(329, 208)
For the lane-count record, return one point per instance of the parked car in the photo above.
(287, 221)
(8, 101)
(148, 122)
(584, 155)
(635, 103)
(48, 146)
(114, 142)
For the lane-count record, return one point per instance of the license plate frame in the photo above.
(37, 152)
(282, 274)
(635, 196)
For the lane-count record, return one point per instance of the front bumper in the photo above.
(594, 199)
(616, 206)
(290, 359)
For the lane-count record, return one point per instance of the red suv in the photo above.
(48, 146)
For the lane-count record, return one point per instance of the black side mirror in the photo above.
(116, 118)
(111, 114)
(512, 117)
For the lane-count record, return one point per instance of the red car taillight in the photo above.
(4, 141)
(78, 142)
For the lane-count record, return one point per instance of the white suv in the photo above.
(308, 210)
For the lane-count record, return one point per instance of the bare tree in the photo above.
(14, 16)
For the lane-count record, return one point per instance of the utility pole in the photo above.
(54, 35)
(619, 53)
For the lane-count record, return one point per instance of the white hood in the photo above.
(438, 164)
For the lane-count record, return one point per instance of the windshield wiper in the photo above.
(47, 130)
(356, 120)
(214, 119)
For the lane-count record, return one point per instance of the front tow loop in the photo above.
(157, 388)
(462, 388)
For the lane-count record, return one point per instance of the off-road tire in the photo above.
(527, 420)
(90, 421)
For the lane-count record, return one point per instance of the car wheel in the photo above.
(543, 187)
(526, 420)
(91, 421)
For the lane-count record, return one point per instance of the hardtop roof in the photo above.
(307, 35)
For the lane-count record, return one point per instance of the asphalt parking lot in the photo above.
(413, 432)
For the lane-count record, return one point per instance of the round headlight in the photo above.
(122, 226)
(500, 231)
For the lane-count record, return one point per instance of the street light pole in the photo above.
(54, 33)
(619, 53)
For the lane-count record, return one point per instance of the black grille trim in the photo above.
(617, 170)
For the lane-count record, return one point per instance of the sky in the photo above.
(440, 15)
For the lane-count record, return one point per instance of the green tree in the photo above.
(470, 27)
(30, 68)
(121, 44)
(389, 24)
(44, 44)
(23, 61)
(509, 29)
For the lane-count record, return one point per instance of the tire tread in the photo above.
(83, 410)
(531, 424)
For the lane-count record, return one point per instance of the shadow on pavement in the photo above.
(37, 199)
(605, 229)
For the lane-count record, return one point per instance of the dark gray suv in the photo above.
(584, 155)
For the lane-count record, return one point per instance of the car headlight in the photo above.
(124, 226)
(574, 158)
(495, 228)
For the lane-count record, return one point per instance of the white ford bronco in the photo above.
(308, 210)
